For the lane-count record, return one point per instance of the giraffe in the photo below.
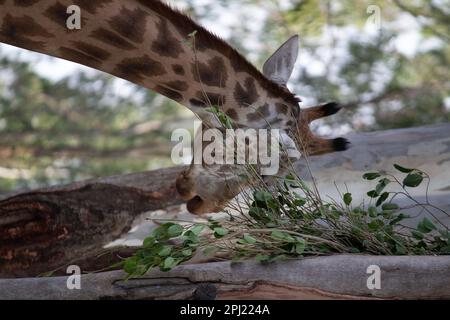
(156, 46)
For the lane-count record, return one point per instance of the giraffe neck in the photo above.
(149, 43)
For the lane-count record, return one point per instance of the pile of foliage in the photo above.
(292, 221)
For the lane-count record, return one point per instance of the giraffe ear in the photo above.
(279, 66)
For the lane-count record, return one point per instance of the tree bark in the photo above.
(44, 229)
(333, 277)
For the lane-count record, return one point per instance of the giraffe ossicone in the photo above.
(153, 45)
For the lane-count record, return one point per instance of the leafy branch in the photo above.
(288, 221)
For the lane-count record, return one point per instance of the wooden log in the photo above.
(43, 229)
(332, 277)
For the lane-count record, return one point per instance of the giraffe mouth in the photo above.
(195, 204)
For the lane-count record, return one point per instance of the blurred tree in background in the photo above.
(78, 127)
(390, 74)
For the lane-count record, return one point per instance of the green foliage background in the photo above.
(80, 126)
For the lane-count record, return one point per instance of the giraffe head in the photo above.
(155, 46)
(209, 187)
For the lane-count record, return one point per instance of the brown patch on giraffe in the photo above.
(166, 44)
(177, 85)
(251, 117)
(207, 99)
(169, 93)
(57, 13)
(18, 30)
(130, 24)
(80, 57)
(260, 113)
(178, 69)
(239, 65)
(264, 110)
(232, 114)
(138, 68)
(276, 122)
(247, 95)
(109, 37)
(213, 73)
(92, 50)
(281, 108)
(91, 6)
(23, 3)
(25, 26)
(204, 39)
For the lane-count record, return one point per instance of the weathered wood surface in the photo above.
(333, 277)
(43, 229)
(426, 148)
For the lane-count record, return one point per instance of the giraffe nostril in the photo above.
(194, 205)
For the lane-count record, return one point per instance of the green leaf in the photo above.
(445, 234)
(347, 198)
(160, 232)
(358, 210)
(299, 202)
(417, 234)
(300, 246)
(262, 257)
(413, 180)
(190, 237)
(130, 265)
(371, 175)
(249, 239)
(169, 263)
(192, 34)
(186, 252)
(381, 185)
(445, 249)
(262, 196)
(197, 229)
(210, 251)
(278, 234)
(303, 185)
(278, 257)
(372, 194)
(220, 232)
(400, 249)
(398, 218)
(426, 226)
(373, 212)
(165, 250)
(148, 242)
(375, 225)
(402, 169)
(389, 206)
(174, 231)
(382, 198)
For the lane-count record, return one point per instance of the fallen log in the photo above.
(43, 229)
(332, 277)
